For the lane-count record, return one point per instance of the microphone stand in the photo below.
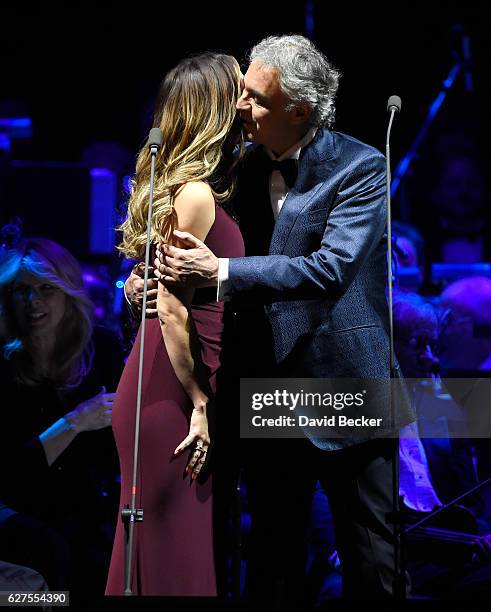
(395, 517)
(130, 514)
(237, 541)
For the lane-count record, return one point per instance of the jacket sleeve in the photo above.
(25, 466)
(355, 225)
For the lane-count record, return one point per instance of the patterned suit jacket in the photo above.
(320, 270)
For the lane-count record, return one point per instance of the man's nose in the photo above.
(242, 104)
(429, 360)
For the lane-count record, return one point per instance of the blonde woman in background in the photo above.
(59, 466)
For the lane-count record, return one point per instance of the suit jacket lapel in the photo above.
(313, 168)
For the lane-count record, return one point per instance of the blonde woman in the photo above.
(173, 546)
(58, 460)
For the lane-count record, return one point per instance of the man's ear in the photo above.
(301, 113)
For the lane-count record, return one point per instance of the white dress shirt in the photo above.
(415, 485)
(278, 192)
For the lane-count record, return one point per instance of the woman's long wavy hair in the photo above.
(73, 352)
(196, 112)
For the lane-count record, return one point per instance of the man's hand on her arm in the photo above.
(133, 289)
(195, 266)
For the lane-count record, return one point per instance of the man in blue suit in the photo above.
(312, 210)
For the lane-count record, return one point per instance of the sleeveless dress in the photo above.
(173, 546)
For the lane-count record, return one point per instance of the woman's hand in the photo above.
(95, 413)
(133, 289)
(199, 439)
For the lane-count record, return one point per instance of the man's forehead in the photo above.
(261, 78)
(421, 323)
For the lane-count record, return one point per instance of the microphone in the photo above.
(394, 104)
(155, 139)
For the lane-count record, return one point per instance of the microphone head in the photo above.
(155, 138)
(394, 102)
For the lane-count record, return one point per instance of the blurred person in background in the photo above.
(467, 357)
(459, 198)
(455, 562)
(467, 335)
(409, 251)
(58, 480)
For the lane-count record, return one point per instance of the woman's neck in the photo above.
(41, 349)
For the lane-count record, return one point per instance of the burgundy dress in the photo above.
(173, 545)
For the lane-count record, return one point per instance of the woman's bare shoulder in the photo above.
(195, 208)
(196, 193)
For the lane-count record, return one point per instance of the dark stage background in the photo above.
(84, 75)
(87, 73)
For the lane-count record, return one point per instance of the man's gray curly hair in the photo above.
(304, 73)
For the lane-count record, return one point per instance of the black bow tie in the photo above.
(288, 169)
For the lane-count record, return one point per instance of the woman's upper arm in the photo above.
(195, 208)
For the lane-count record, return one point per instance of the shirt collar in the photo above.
(294, 151)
